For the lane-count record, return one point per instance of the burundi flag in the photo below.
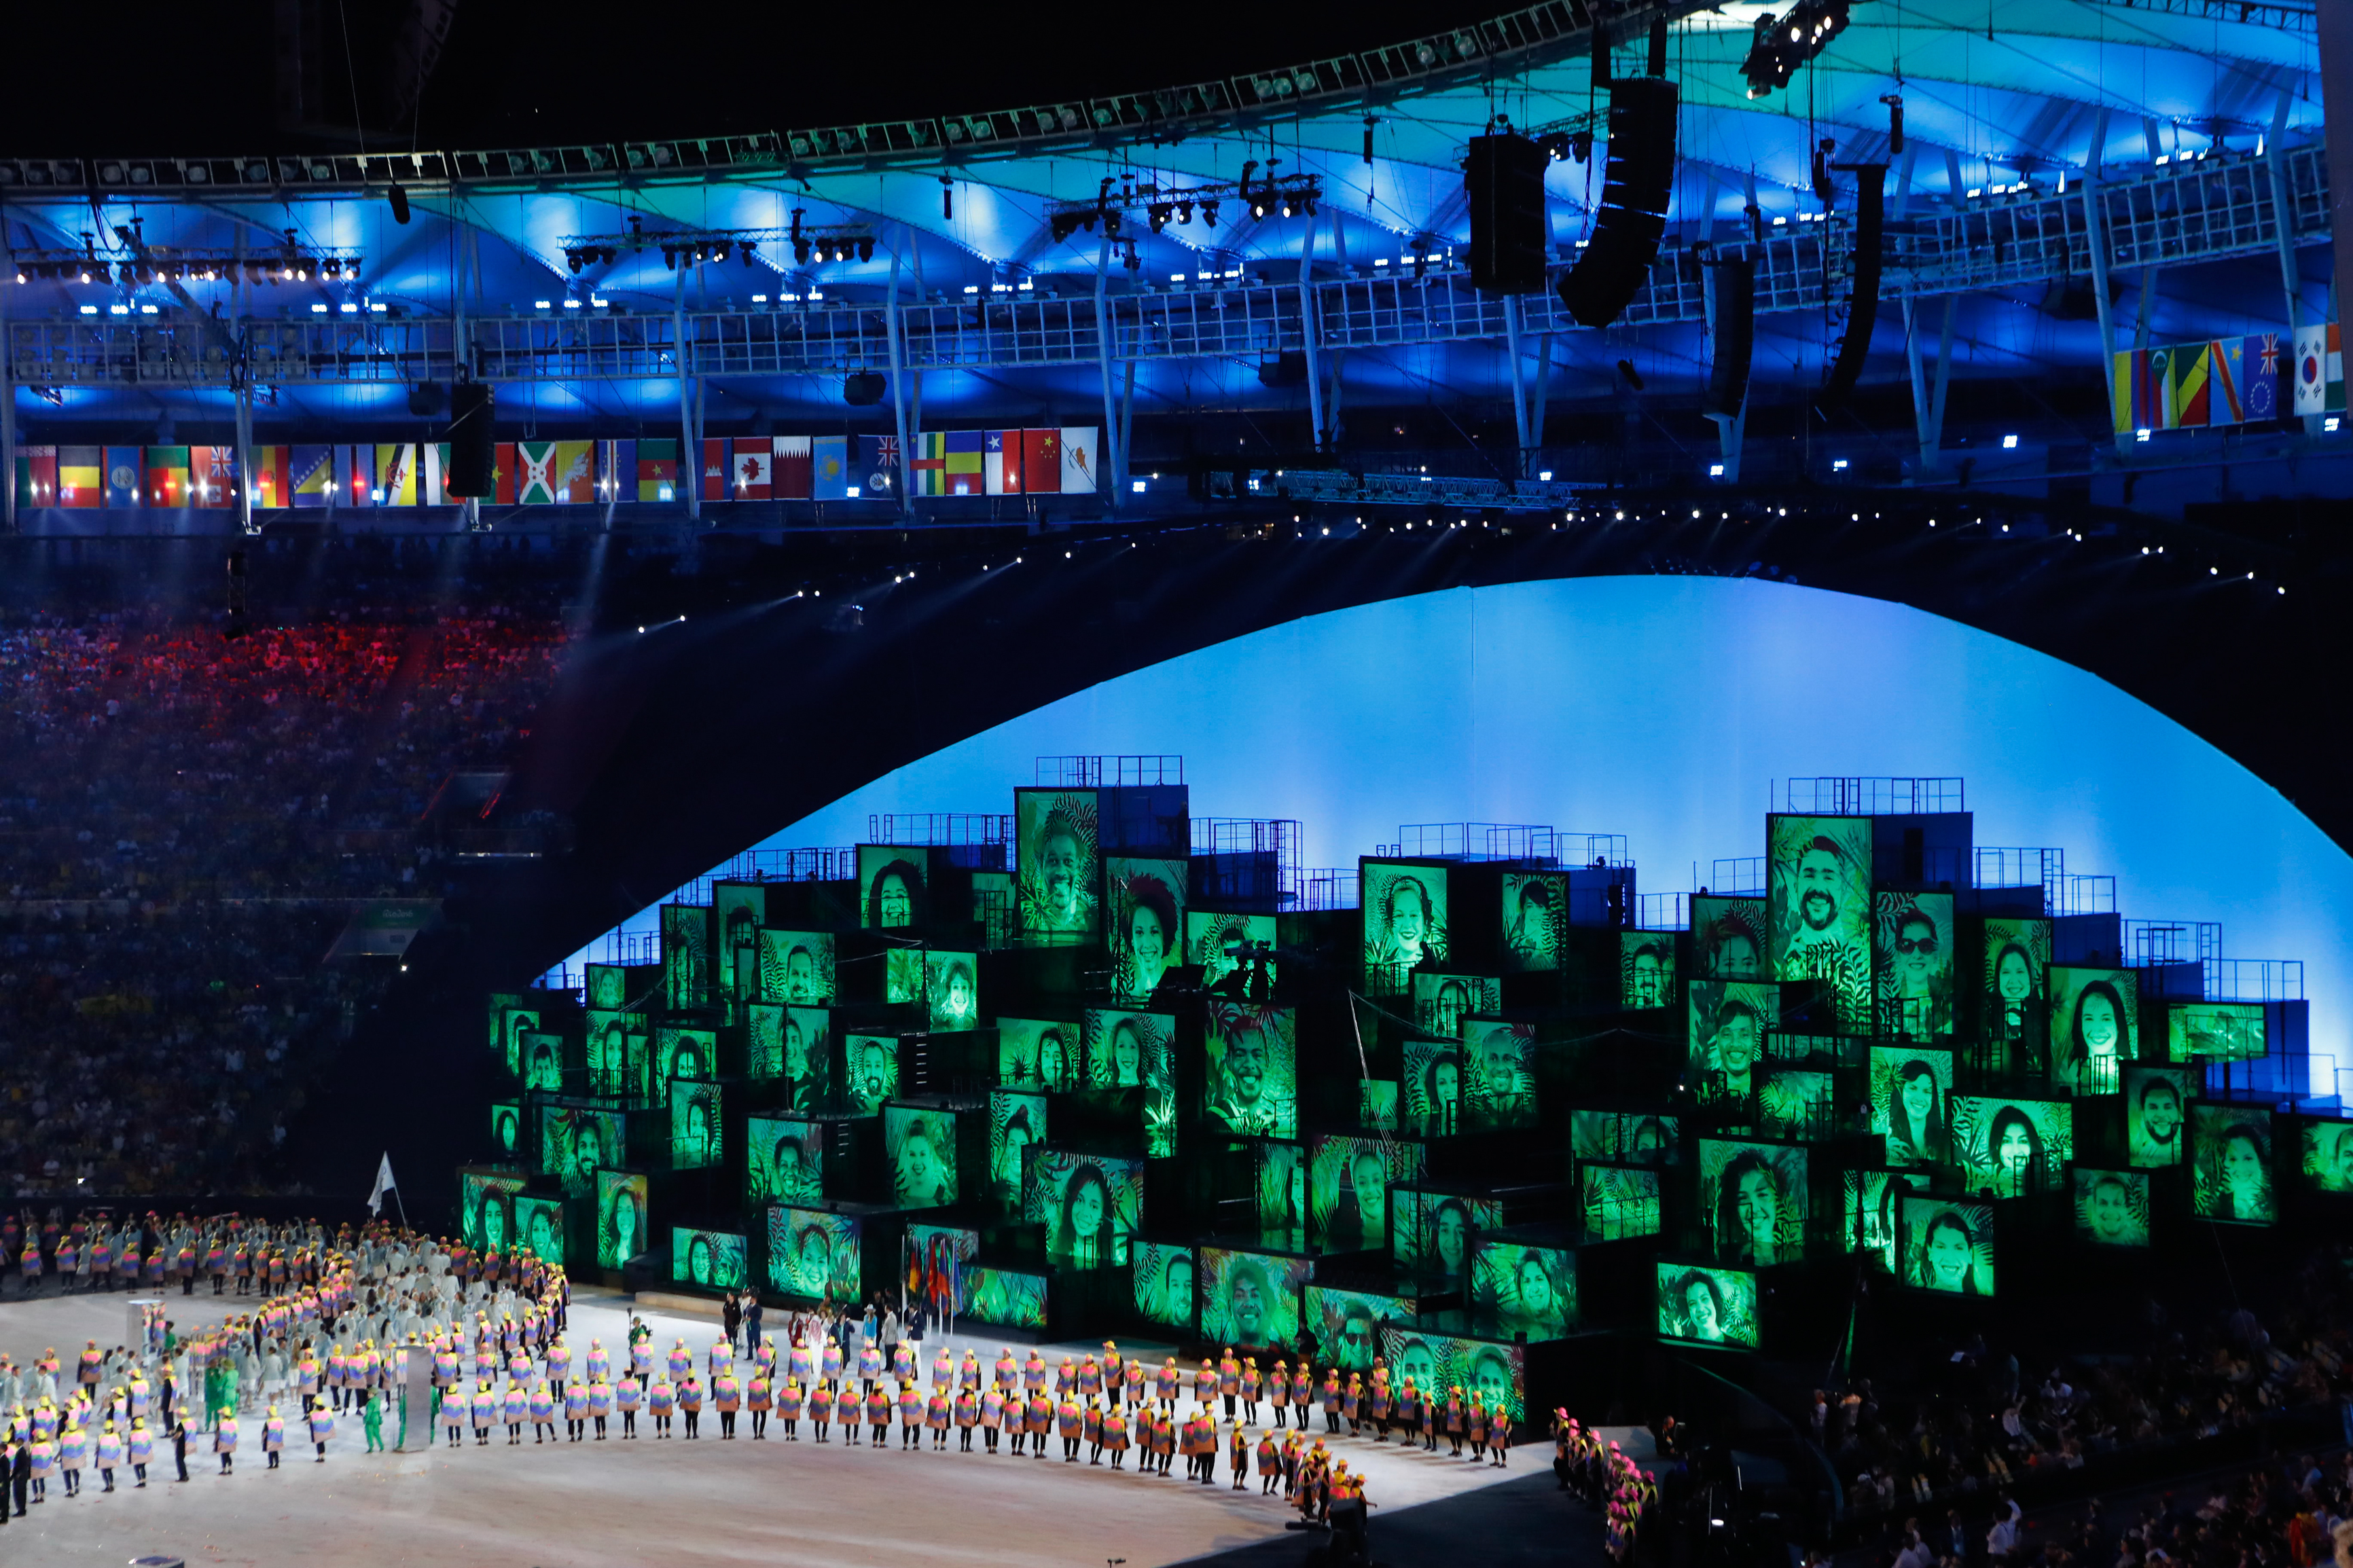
(313, 476)
(2192, 385)
(534, 473)
(2264, 357)
(81, 476)
(1003, 453)
(575, 472)
(829, 466)
(791, 481)
(967, 463)
(1081, 461)
(396, 468)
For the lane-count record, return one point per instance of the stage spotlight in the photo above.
(670, 257)
(1184, 212)
(749, 248)
(1160, 214)
(801, 250)
(572, 259)
(865, 247)
(1210, 214)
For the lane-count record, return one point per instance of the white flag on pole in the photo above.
(384, 1183)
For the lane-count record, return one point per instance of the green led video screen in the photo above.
(1279, 1177)
(1631, 1137)
(506, 1129)
(2017, 961)
(1440, 1002)
(2231, 1166)
(1498, 1373)
(1646, 969)
(1163, 1278)
(1729, 1022)
(921, 1148)
(813, 1253)
(1404, 907)
(784, 1160)
(1944, 1245)
(1728, 938)
(502, 1006)
(1705, 1306)
(686, 955)
(874, 1063)
(621, 1232)
(707, 1259)
(1058, 861)
(1005, 1298)
(1090, 1204)
(1431, 1233)
(891, 887)
(1818, 909)
(1911, 938)
(2112, 1207)
(2094, 1028)
(2214, 1031)
(1039, 1051)
(1137, 1050)
(539, 1226)
(952, 989)
(736, 910)
(1908, 1086)
(1619, 1202)
(574, 1141)
(2010, 1148)
(797, 968)
(1376, 1104)
(1754, 1198)
(608, 1050)
(1347, 1188)
(684, 1053)
(1794, 1104)
(2329, 1156)
(1251, 1087)
(486, 1207)
(697, 1130)
(542, 1059)
(1222, 945)
(605, 986)
(1347, 1323)
(1524, 1289)
(1147, 922)
(1498, 1076)
(1017, 1119)
(1872, 1224)
(1535, 921)
(902, 977)
(806, 1059)
(2156, 1114)
(1430, 1093)
(1251, 1299)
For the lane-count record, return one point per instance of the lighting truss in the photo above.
(1118, 204)
(1786, 42)
(133, 262)
(688, 246)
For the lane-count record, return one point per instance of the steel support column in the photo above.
(1928, 404)
(899, 389)
(1106, 466)
(1308, 331)
(1519, 383)
(7, 428)
(2096, 244)
(240, 295)
(689, 469)
(2283, 210)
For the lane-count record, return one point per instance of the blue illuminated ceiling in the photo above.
(1995, 93)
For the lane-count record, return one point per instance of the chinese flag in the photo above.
(1041, 461)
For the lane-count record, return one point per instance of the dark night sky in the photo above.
(515, 73)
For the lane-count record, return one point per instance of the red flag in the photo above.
(1041, 461)
(792, 475)
(714, 469)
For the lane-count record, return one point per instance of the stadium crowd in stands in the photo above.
(188, 818)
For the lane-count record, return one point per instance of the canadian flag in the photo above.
(755, 467)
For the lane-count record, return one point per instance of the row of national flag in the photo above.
(2228, 381)
(1057, 461)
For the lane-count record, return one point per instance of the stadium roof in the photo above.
(2006, 104)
